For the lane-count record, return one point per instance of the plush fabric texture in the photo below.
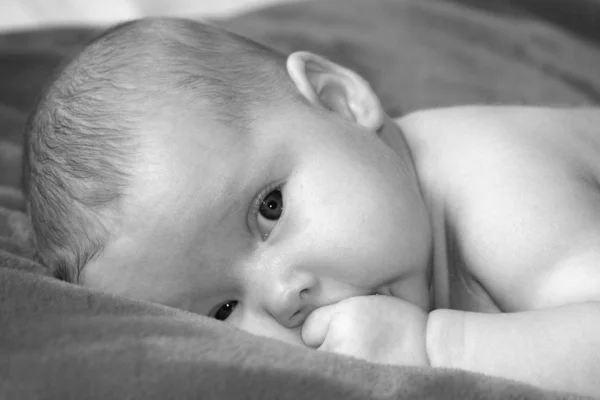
(60, 341)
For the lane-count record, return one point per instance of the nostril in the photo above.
(303, 293)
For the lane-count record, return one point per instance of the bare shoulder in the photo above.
(560, 138)
(521, 191)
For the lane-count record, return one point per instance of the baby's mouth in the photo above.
(383, 291)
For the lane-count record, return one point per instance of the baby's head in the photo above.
(174, 162)
(88, 127)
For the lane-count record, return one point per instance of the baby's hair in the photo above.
(84, 130)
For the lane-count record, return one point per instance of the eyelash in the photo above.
(253, 214)
(215, 311)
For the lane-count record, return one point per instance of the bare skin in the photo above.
(519, 190)
(479, 225)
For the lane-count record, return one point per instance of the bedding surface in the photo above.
(32, 14)
(61, 341)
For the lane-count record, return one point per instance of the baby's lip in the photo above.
(300, 316)
(384, 290)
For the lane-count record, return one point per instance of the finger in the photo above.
(316, 326)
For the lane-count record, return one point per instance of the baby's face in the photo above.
(262, 227)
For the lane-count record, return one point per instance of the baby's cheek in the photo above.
(266, 326)
(414, 290)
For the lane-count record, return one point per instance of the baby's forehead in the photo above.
(194, 144)
(188, 150)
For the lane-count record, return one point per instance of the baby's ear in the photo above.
(338, 89)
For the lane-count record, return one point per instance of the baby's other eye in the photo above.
(224, 311)
(269, 211)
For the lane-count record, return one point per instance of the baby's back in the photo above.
(519, 193)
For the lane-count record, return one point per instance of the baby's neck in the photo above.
(407, 146)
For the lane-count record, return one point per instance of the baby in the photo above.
(177, 163)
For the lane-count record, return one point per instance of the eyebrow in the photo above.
(232, 206)
(239, 188)
(225, 213)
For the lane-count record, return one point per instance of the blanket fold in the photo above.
(60, 341)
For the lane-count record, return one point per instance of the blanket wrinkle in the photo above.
(50, 343)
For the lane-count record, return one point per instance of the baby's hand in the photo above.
(380, 329)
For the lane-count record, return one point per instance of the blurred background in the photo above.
(22, 14)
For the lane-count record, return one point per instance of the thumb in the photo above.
(316, 326)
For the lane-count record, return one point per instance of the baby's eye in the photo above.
(269, 212)
(225, 310)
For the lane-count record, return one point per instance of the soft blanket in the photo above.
(60, 341)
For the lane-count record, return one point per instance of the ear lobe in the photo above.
(335, 88)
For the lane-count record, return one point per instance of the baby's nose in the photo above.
(291, 302)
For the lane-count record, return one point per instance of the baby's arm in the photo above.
(539, 203)
(556, 348)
